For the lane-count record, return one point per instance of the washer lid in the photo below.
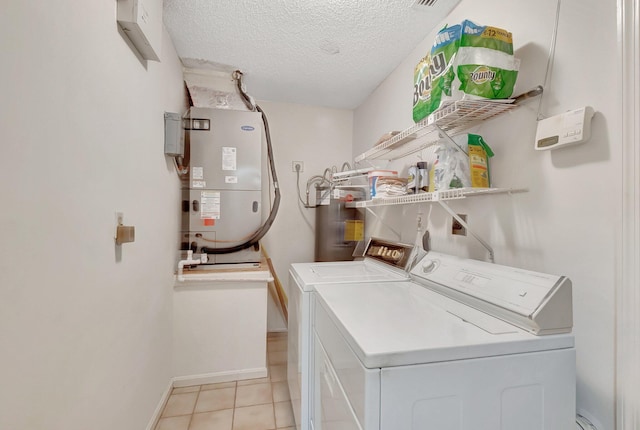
(403, 323)
(309, 275)
(383, 261)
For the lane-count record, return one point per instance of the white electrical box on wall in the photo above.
(568, 128)
(141, 21)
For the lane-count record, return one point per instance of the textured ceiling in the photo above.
(331, 53)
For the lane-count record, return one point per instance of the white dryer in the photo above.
(464, 345)
(384, 261)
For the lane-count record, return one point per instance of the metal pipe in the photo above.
(190, 261)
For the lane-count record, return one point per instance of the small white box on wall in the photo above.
(141, 21)
(568, 128)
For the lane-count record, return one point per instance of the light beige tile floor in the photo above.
(254, 404)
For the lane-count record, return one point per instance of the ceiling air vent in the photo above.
(423, 3)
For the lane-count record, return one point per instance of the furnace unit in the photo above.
(221, 203)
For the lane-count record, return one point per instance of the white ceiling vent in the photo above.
(419, 4)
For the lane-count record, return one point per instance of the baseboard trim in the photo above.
(208, 378)
(163, 401)
(213, 378)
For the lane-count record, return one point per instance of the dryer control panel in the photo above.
(537, 302)
(392, 253)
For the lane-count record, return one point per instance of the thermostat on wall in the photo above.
(568, 128)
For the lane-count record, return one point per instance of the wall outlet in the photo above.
(295, 164)
(457, 228)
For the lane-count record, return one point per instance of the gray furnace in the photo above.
(221, 201)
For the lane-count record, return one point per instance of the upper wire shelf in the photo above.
(453, 118)
(451, 194)
(351, 174)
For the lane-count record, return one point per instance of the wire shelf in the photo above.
(452, 194)
(348, 175)
(453, 118)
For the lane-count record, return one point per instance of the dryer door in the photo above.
(534, 391)
(331, 407)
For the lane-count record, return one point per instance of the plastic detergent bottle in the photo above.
(413, 179)
(422, 177)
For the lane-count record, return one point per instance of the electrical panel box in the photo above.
(568, 128)
(173, 135)
(141, 21)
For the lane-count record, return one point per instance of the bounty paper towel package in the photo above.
(443, 60)
(486, 65)
(434, 75)
(421, 89)
(465, 61)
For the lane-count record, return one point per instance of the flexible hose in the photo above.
(316, 180)
(259, 234)
(182, 162)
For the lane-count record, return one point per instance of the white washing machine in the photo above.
(383, 261)
(464, 345)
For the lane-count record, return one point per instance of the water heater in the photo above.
(221, 200)
(338, 228)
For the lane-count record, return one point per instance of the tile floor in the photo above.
(254, 404)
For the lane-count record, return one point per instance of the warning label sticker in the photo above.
(197, 173)
(228, 158)
(210, 205)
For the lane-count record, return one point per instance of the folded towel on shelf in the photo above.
(387, 186)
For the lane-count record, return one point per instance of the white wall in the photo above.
(320, 138)
(86, 331)
(568, 221)
(219, 331)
